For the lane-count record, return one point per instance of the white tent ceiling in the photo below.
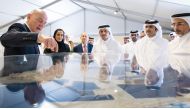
(134, 10)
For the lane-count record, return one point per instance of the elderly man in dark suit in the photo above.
(23, 39)
(84, 46)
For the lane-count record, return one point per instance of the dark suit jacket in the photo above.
(18, 40)
(79, 48)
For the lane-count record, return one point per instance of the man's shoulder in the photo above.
(90, 45)
(80, 44)
(18, 26)
(165, 41)
(67, 45)
(77, 46)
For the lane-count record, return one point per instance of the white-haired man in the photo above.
(23, 39)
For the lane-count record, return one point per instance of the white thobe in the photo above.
(180, 45)
(152, 53)
(107, 52)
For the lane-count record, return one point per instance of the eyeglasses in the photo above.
(178, 24)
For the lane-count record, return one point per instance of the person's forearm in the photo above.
(18, 39)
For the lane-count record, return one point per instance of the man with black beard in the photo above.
(129, 51)
(151, 54)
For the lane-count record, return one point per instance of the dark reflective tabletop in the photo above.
(89, 80)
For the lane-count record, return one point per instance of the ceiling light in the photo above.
(116, 12)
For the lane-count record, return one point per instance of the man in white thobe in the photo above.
(106, 51)
(151, 54)
(129, 47)
(179, 48)
(181, 44)
(129, 51)
(181, 26)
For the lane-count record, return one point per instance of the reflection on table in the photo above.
(80, 80)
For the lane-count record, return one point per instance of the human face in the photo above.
(134, 37)
(104, 33)
(150, 30)
(91, 41)
(36, 20)
(180, 26)
(126, 40)
(84, 38)
(59, 36)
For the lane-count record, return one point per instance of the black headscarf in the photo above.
(62, 46)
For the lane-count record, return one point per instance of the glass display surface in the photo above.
(89, 80)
